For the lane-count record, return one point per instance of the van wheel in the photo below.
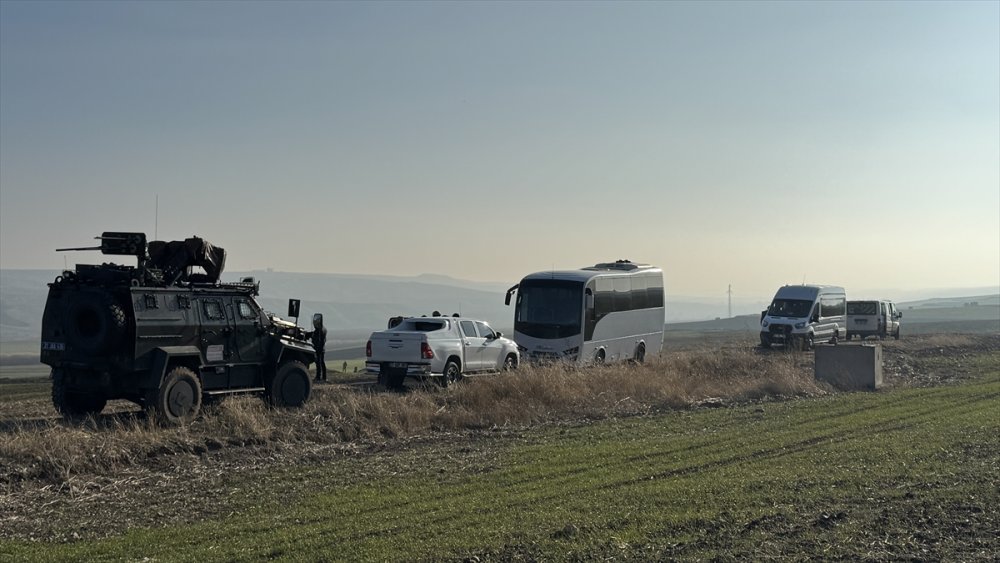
(291, 385)
(178, 400)
(807, 342)
(452, 374)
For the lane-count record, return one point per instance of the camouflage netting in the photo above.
(177, 258)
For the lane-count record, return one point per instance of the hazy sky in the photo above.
(748, 143)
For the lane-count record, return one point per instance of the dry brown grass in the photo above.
(56, 451)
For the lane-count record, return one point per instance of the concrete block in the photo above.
(850, 367)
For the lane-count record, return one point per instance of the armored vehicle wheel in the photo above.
(73, 406)
(452, 374)
(291, 386)
(94, 325)
(178, 400)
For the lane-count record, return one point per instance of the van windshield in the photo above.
(796, 308)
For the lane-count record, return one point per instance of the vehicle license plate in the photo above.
(862, 321)
(401, 365)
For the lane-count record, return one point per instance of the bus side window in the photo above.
(603, 297)
(654, 290)
(623, 294)
(639, 298)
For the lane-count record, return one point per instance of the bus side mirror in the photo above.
(506, 300)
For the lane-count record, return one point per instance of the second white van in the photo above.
(801, 315)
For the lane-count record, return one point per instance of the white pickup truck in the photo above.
(444, 348)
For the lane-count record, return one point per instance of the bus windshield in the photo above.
(549, 308)
(796, 308)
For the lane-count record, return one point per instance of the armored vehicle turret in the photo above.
(165, 337)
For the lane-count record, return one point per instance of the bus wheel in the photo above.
(640, 354)
(599, 358)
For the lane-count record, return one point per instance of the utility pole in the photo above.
(730, 292)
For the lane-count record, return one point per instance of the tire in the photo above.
(94, 325)
(73, 406)
(394, 380)
(178, 400)
(452, 374)
(895, 335)
(509, 363)
(599, 358)
(640, 354)
(291, 385)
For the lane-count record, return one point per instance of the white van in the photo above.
(872, 318)
(802, 315)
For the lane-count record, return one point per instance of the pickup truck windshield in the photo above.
(862, 308)
(549, 308)
(796, 308)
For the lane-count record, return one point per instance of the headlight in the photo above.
(571, 351)
(764, 324)
(521, 349)
(800, 325)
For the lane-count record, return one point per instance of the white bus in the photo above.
(605, 313)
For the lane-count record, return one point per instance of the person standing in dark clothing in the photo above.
(318, 337)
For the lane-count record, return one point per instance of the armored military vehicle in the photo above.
(164, 337)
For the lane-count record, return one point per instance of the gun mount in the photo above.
(159, 263)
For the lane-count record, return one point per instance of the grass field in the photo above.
(912, 472)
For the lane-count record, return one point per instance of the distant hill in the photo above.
(352, 305)
(355, 304)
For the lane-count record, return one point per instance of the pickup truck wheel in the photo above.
(291, 385)
(394, 380)
(895, 335)
(509, 363)
(452, 374)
